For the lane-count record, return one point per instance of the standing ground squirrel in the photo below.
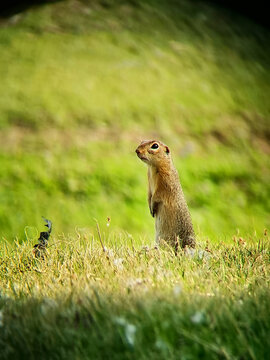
(165, 196)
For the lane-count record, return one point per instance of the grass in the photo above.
(134, 301)
(82, 83)
(79, 187)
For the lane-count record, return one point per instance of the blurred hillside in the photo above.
(83, 82)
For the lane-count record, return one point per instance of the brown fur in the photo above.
(166, 199)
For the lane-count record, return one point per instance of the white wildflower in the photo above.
(47, 305)
(135, 282)
(189, 252)
(130, 332)
(120, 321)
(202, 254)
(198, 317)
(109, 252)
(1, 318)
(129, 329)
(177, 290)
(118, 263)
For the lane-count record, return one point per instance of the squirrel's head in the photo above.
(153, 152)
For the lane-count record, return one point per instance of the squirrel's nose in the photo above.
(137, 151)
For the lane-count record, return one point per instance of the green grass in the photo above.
(82, 83)
(134, 302)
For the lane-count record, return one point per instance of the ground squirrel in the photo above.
(165, 196)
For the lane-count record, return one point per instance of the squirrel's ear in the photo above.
(167, 150)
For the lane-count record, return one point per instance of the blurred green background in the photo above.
(83, 82)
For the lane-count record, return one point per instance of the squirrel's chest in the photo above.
(152, 181)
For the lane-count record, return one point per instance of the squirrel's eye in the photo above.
(154, 146)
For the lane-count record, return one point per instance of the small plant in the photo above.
(40, 248)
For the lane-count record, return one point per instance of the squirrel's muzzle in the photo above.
(140, 155)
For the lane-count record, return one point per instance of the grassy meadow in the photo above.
(82, 83)
(134, 302)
